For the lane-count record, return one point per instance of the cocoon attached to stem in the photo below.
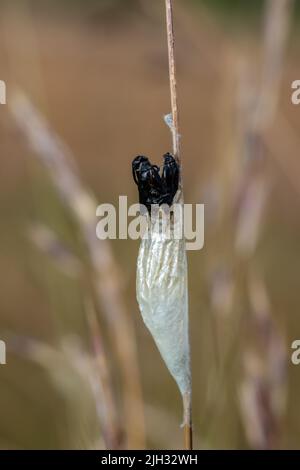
(162, 296)
(162, 289)
(161, 285)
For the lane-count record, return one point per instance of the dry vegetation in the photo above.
(104, 91)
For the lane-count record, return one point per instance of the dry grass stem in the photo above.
(173, 80)
(187, 399)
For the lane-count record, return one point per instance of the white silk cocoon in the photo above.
(162, 295)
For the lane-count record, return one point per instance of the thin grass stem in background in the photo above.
(105, 273)
(262, 392)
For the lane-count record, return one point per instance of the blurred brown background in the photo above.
(98, 72)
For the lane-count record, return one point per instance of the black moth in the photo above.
(155, 188)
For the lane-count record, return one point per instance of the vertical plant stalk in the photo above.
(173, 80)
(187, 397)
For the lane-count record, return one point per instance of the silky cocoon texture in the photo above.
(163, 298)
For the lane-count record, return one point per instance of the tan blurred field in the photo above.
(103, 87)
